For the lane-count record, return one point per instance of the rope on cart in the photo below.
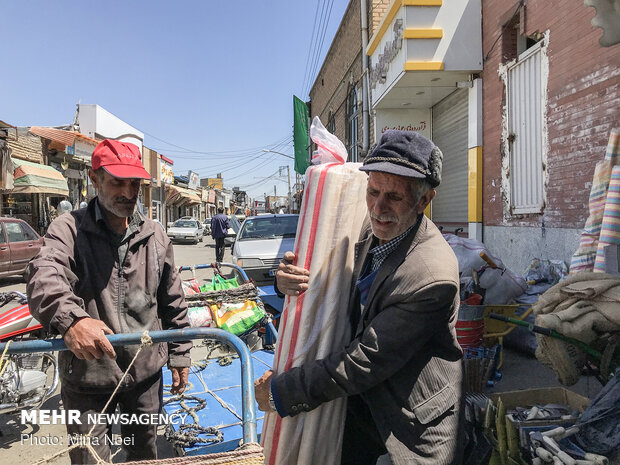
(188, 433)
(145, 340)
(181, 398)
(245, 291)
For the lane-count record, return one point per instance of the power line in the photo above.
(316, 13)
(251, 169)
(318, 58)
(219, 152)
(316, 51)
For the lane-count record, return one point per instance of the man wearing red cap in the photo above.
(107, 269)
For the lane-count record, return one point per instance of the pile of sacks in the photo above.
(585, 307)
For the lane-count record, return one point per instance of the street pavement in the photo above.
(518, 372)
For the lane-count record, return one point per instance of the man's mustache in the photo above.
(126, 200)
(383, 218)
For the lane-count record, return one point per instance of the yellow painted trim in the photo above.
(422, 2)
(474, 173)
(423, 66)
(383, 26)
(427, 210)
(389, 16)
(423, 33)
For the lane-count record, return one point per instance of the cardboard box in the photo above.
(517, 431)
(530, 397)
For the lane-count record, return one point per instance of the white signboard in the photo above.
(418, 120)
(84, 150)
(193, 180)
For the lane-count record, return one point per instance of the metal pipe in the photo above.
(247, 372)
(231, 265)
(54, 363)
(365, 87)
(548, 332)
(32, 402)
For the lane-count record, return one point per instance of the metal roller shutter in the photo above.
(450, 135)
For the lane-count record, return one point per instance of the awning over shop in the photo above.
(32, 178)
(181, 195)
(60, 135)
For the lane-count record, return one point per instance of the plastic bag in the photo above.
(218, 284)
(502, 286)
(190, 286)
(599, 425)
(467, 253)
(237, 318)
(330, 148)
(200, 316)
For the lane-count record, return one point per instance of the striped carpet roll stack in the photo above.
(610, 225)
(316, 323)
(586, 255)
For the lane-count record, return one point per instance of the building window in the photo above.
(525, 127)
(352, 116)
(331, 123)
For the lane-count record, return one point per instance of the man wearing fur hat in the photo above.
(402, 369)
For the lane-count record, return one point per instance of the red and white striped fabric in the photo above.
(315, 323)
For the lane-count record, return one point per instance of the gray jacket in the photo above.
(404, 360)
(77, 274)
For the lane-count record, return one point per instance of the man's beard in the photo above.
(120, 206)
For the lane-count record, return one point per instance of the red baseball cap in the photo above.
(120, 159)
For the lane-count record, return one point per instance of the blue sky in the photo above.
(208, 76)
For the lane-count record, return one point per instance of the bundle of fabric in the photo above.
(315, 323)
(586, 255)
(586, 307)
(610, 225)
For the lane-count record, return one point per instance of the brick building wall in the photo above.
(341, 70)
(582, 107)
(376, 12)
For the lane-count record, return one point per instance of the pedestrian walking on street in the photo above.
(219, 228)
(107, 269)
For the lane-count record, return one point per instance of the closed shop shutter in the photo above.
(450, 135)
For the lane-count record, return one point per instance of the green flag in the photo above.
(300, 135)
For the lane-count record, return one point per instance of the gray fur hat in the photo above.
(406, 153)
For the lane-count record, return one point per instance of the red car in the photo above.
(18, 244)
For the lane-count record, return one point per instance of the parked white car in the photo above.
(261, 243)
(186, 229)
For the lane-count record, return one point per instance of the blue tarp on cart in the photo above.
(220, 386)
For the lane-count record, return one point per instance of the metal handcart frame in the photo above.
(495, 329)
(247, 375)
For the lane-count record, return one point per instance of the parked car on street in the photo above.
(19, 243)
(186, 229)
(261, 243)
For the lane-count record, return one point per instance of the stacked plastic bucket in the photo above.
(470, 325)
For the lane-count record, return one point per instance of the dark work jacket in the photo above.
(77, 274)
(219, 226)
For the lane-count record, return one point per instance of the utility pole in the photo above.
(288, 176)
